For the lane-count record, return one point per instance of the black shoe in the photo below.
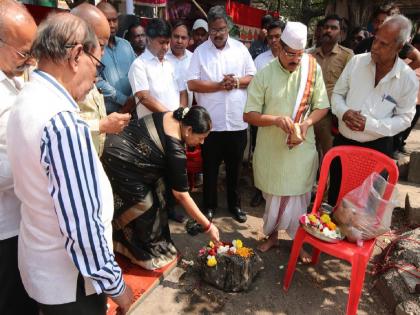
(209, 213)
(175, 216)
(238, 214)
(257, 199)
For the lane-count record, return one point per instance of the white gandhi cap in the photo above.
(200, 23)
(295, 35)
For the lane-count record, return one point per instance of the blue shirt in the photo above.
(114, 83)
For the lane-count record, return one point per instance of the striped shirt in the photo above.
(53, 151)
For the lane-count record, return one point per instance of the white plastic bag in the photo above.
(363, 214)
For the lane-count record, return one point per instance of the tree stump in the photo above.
(232, 273)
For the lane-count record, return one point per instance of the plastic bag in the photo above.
(363, 214)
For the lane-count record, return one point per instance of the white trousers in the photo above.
(283, 212)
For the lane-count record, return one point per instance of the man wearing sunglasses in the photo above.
(17, 32)
(92, 108)
(284, 170)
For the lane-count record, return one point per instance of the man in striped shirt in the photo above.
(65, 247)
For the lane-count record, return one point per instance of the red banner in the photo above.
(151, 3)
(243, 14)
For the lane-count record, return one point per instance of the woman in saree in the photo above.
(145, 163)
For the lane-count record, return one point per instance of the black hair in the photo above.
(266, 20)
(179, 23)
(357, 30)
(197, 117)
(334, 17)
(130, 29)
(276, 24)
(216, 12)
(158, 28)
(320, 23)
(416, 39)
(379, 10)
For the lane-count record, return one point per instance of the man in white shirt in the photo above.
(220, 71)
(178, 54)
(17, 32)
(274, 31)
(375, 96)
(65, 250)
(152, 76)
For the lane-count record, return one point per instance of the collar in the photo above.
(395, 70)
(182, 58)
(13, 82)
(147, 55)
(335, 50)
(50, 80)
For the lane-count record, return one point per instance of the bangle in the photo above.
(237, 83)
(208, 227)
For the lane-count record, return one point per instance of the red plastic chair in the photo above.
(357, 164)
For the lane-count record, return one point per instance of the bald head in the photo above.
(17, 33)
(96, 19)
(111, 15)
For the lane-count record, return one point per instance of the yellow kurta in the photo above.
(278, 170)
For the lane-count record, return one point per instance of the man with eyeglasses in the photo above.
(118, 57)
(66, 257)
(285, 158)
(332, 58)
(92, 108)
(17, 32)
(220, 71)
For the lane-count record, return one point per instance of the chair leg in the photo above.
(315, 255)
(358, 270)
(291, 265)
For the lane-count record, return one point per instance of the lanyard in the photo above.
(57, 86)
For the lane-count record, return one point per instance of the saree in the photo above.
(139, 164)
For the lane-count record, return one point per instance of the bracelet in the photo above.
(237, 82)
(208, 227)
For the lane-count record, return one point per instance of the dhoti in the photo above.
(283, 212)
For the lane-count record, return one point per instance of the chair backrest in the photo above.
(357, 163)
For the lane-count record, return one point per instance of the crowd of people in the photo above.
(93, 145)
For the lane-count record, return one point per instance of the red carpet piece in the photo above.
(140, 280)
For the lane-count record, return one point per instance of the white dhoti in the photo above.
(283, 212)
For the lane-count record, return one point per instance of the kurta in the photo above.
(278, 170)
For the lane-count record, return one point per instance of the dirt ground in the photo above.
(320, 289)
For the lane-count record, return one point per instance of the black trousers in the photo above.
(399, 139)
(13, 298)
(93, 304)
(384, 145)
(227, 146)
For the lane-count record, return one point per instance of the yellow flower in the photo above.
(244, 252)
(312, 218)
(211, 262)
(211, 244)
(238, 244)
(325, 218)
(331, 226)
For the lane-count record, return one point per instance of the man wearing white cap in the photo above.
(285, 99)
(200, 33)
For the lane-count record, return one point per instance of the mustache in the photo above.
(293, 64)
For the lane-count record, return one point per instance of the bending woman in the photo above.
(145, 163)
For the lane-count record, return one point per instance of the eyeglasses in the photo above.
(23, 55)
(290, 54)
(100, 67)
(221, 31)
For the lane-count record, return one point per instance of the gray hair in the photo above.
(60, 32)
(405, 26)
(217, 12)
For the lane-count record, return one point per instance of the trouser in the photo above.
(399, 139)
(227, 146)
(93, 304)
(13, 298)
(383, 145)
